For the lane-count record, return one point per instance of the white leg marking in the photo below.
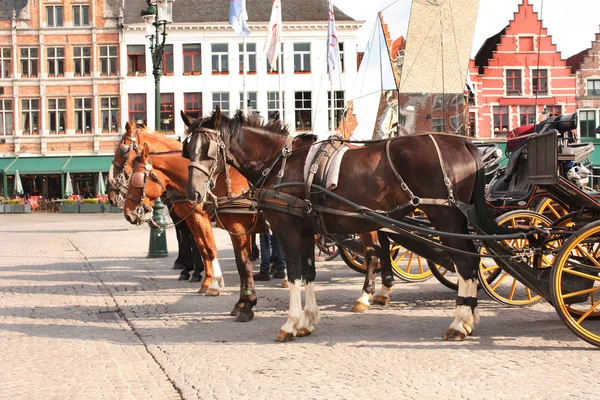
(295, 310)
(464, 320)
(365, 298)
(476, 318)
(311, 309)
(217, 275)
(385, 291)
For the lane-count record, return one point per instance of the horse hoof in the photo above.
(285, 284)
(382, 300)
(236, 311)
(245, 316)
(454, 335)
(203, 290)
(183, 277)
(284, 336)
(178, 265)
(196, 278)
(360, 307)
(212, 292)
(303, 332)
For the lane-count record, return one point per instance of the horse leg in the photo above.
(363, 302)
(466, 314)
(201, 228)
(184, 256)
(311, 316)
(198, 262)
(387, 276)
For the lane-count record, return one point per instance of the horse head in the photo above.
(143, 189)
(120, 169)
(205, 149)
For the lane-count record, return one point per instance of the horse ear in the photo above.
(217, 116)
(145, 151)
(127, 127)
(187, 120)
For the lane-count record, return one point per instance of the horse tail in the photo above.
(485, 220)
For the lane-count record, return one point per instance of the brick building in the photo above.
(519, 78)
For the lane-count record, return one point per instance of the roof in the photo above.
(218, 11)
(7, 7)
(486, 51)
(575, 60)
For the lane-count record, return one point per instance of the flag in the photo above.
(272, 45)
(238, 17)
(333, 48)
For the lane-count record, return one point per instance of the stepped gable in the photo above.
(210, 11)
(7, 7)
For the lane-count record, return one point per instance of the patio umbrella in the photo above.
(18, 188)
(68, 186)
(100, 186)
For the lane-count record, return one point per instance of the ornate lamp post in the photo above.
(156, 17)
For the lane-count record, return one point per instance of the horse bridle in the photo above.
(122, 178)
(215, 149)
(140, 175)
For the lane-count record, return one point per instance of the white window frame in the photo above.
(56, 113)
(27, 110)
(113, 126)
(108, 57)
(83, 106)
(304, 102)
(6, 113)
(273, 105)
(250, 55)
(29, 60)
(221, 99)
(55, 11)
(302, 57)
(5, 62)
(78, 12)
(57, 61)
(219, 59)
(80, 60)
(338, 107)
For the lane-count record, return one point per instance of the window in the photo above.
(6, 117)
(5, 63)
(338, 108)
(341, 46)
(456, 123)
(29, 62)
(276, 66)
(167, 107)
(136, 60)
(554, 110)
(30, 114)
(192, 59)
(472, 125)
(273, 105)
(595, 179)
(301, 57)
(587, 123)
(526, 43)
(83, 115)
(250, 55)
(108, 60)
(303, 111)
(168, 60)
(137, 108)
(513, 82)
(251, 96)
(220, 62)
(81, 15)
(109, 109)
(82, 59)
(593, 87)
(540, 81)
(221, 99)
(527, 115)
(54, 16)
(56, 115)
(500, 119)
(192, 103)
(56, 61)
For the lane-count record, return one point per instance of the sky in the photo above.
(572, 24)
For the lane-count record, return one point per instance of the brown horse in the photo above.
(434, 172)
(170, 171)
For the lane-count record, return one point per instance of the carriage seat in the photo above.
(512, 184)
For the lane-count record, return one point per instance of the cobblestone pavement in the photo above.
(85, 315)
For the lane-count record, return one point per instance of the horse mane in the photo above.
(159, 137)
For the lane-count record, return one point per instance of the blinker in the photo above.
(137, 179)
(213, 150)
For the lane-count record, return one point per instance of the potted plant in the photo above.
(2, 204)
(69, 206)
(15, 206)
(90, 206)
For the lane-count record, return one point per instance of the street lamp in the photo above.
(156, 17)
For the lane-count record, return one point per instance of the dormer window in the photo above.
(526, 43)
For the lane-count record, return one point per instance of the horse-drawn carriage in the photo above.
(452, 197)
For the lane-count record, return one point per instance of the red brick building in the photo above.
(519, 78)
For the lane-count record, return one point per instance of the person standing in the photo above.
(270, 245)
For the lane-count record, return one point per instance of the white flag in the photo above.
(333, 48)
(238, 17)
(272, 45)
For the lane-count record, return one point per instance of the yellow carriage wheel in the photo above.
(408, 266)
(356, 260)
(497, 283)
(551, 209)
(575, 283)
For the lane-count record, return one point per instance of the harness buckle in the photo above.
(404, 186)
(447, 182)
(286, 151)
(280, 174)
(415, 201)
(266, 172)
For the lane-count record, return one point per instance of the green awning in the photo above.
(5, 163)
(88, 164)
(37, 165)
(595, 156)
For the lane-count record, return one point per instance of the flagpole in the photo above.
(245, 67)
(331, 113)
(279, 64)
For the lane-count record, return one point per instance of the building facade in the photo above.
(519, 78)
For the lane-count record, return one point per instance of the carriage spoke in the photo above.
(420, 264)
(499, 281)
(588, 256)
(528, 291)
(588, 312)
(581, 274)
(513, 288)
(580, 292)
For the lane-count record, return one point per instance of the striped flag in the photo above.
(333, 48)
(238, 17)
(272, 44)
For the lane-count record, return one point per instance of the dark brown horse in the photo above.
(170, 170)
(434, 172)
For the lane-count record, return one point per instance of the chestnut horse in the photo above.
(167, 152)
(436, 172)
